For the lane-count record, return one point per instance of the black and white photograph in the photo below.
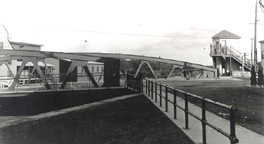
(131, 72)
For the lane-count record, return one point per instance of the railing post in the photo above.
(203, 120)
(166, 98)
(127, 81)
(233, 138)
(175, 104)
(146, 87)
(186, 111)
(151, 89)
(156, 90)
(138, 84)
(142, 85)
(160, 95)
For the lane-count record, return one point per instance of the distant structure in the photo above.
(51, 68)
(8, 69)
(78, 74)
(226, 56)
(25, 46)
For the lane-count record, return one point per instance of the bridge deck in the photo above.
(96, 57)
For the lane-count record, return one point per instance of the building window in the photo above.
(92, 69)
(1, 45)
(9, 62)
(262, 55)
(97, 68)
(102, 69)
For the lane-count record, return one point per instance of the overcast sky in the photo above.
(180, 30)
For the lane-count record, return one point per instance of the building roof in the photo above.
(225, 35)
(261, 41)
(25, 44)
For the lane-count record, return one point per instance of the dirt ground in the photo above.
(232, 91)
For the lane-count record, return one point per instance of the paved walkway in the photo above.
(244, 135)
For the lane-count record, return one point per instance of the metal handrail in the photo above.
(224, 50)
(151, 89)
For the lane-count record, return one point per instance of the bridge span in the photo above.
(111, 63)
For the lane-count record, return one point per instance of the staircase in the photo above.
(224, 51)
(238, 57)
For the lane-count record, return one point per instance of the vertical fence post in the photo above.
(139, 83)
(203, 120)
(148, 87)
(89, 86)
(126, 81)
(233, 139)
(142, 85)
(135, 83)
(160, 95)
(166, 98)
(186, 111)
(156, 90)
(175, 104)
(152, 90)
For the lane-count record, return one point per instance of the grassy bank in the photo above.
(248, 100)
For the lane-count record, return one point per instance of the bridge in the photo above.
(111, 63)
(136, 83)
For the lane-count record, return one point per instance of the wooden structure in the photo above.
(225, 54)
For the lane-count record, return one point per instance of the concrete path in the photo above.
(244, 135)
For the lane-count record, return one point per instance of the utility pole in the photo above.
(255, 37)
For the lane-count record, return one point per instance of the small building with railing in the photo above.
(225, 53)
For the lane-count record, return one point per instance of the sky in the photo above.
(180, 30)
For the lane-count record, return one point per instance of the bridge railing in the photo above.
(135, 83)
(76, 82)
(159, 91)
